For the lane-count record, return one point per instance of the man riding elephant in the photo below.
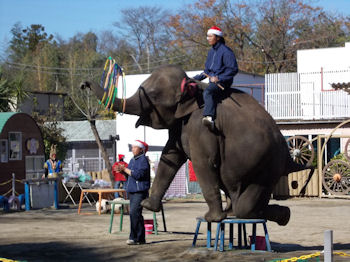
(221, 67)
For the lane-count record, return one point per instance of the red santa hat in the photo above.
(215, 31)
(121, 157)
(141, 144)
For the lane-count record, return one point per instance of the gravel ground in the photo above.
(63, 235)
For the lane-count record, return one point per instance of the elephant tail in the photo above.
(295, 167)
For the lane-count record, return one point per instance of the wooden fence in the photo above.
(284, 186)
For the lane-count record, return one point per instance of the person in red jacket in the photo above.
(119, 178)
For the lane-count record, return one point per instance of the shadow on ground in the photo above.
(53, 251)
(288, 247)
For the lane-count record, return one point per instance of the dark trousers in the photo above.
(137, 227)
(212, 95)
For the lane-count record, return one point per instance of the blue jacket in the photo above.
(140, 179)
(221, 62)
(49, 167)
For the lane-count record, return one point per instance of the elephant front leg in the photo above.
(208, 180)
(170, 162)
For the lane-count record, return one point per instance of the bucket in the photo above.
(148, 229)
(260, 242)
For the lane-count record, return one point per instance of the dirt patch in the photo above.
(63, 235)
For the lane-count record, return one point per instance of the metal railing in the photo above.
(88, 164)
(307, 96)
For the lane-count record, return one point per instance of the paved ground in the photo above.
(63, 235)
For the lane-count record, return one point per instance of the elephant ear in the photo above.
(190, 98)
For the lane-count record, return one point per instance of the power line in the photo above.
(48, 72)
(83, 68)
(52, 68)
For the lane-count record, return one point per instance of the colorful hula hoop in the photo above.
(109, 82)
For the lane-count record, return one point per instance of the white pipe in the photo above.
(13, 184)
(328, 246)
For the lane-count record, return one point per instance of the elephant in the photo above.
(244, 156)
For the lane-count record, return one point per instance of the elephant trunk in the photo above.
(131, 106)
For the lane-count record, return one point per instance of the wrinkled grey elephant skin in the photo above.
(245, 156)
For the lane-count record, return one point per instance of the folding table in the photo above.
(75, 184)
(99, 191)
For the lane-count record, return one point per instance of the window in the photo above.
(34, 166)
(333, 148)
(3, 151)
(15, 145)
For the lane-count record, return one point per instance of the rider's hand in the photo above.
(214, 79)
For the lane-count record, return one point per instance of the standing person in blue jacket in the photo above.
(221, 67)
(138, 184)
(52, 166)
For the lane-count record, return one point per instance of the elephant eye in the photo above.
(154, 95)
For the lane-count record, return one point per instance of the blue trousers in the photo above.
(117, 186)
(137, 227)
(212, 95)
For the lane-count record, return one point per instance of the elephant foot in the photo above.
(214, 217)
(230, 213)
(151, 204)
(284, 217)
(278, 214)
(228, 207)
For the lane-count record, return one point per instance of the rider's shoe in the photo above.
(208, 122)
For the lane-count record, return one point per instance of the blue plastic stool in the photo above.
(4, 203)
(220, 233)
(200, 220)
(21, 198)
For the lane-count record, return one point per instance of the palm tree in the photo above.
(5, 94)
(12, 93)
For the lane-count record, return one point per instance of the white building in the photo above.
(304, 103)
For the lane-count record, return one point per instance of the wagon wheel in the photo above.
(347, 150)
(301, 150)
(336, 177)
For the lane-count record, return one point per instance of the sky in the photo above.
(68, 17)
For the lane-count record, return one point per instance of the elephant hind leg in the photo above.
(228, 207)
(232, 189)
(231, 200)
(253, 203)
(277, 213)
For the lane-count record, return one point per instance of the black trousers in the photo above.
(137, 227)
(212, 95)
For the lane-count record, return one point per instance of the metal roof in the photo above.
(4, 116)
(75, 131)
